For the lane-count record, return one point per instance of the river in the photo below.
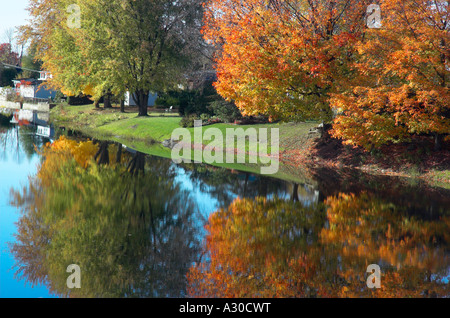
(142, 226)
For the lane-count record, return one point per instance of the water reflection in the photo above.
(132, 233)
(279, 248)
(19, 143)
(137, 230)
(225, 185)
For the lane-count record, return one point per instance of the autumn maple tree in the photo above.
(7, 55)
(315, 59)
(400, 83)
(281, 58)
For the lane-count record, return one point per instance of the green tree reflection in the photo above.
(132, 234)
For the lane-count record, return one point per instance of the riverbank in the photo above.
(414, 160)
(302, 148)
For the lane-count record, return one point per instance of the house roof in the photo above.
(32, 80)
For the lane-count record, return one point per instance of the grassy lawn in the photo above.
(111, 122)
(145, 134)
(142, 128)
(159, 126)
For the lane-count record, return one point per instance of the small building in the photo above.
(129, 101)
(32, 88)
(44, 76)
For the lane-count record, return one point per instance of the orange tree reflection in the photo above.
(278, 248)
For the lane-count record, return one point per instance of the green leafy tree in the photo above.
(30, 62)
(138, 45)
(115, 46)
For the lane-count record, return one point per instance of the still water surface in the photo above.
(142, 226)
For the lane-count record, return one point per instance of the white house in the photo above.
(129, 101)
(30, 88)
(44, 75)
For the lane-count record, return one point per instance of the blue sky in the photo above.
(12, 14)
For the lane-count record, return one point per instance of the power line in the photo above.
(22, 68)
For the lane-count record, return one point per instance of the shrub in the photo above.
(167, 100)
(214, 120)
(79, 100)
(205, 117)
(59, 96)
(188, 121)
(227, 111)
(5, 119)
(6, 76)
(194, 101)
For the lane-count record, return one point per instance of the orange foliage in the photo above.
(280, 57)
(400, 84)
(251, 252)
(276, 248)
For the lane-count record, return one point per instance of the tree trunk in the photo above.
(141, 99)
(122, 105)
(137, 164)
(295, 193)
(102, 154)
(152, 225)
(107, 101)
(97, 104)
(437, 142)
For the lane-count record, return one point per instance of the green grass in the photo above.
(143, 128)
(159, 126)
(110, 122)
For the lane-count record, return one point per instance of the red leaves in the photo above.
(7, 55)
